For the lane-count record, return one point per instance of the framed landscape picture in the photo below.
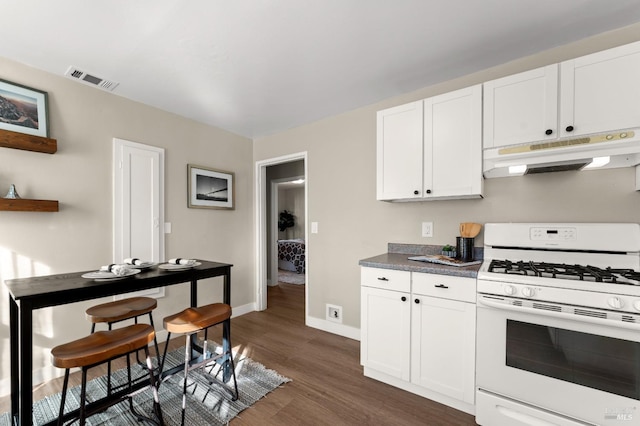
(209, 188)
(23, 110)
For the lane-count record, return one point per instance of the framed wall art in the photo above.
(23, 109)
(209, 188)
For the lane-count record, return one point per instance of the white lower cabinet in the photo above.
(421, 339)
(386, 324)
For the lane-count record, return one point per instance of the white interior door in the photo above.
(138, 190)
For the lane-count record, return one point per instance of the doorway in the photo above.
(286, 250)
(269, 172)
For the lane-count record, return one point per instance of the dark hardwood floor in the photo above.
(327, 387)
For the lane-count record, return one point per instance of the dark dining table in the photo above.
(29, 294)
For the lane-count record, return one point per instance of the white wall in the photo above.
(353, 225)
(84, 120)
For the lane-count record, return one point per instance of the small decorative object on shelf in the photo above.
(12, 194)
(448, 250)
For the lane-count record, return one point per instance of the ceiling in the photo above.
(257, 67)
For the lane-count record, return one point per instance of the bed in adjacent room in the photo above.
(291, 255)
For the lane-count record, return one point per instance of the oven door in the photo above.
(538, 361)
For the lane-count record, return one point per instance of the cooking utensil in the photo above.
(470, 229)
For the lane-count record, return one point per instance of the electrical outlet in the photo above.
(427, 229)
(334, 313)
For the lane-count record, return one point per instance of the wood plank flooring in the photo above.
(327, 387)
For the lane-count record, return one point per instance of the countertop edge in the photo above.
(400, 262)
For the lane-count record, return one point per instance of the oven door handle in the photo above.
(492, 302)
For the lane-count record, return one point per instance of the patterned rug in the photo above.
(205, 405)
(290, 277)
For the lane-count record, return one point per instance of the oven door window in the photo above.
(598, 362)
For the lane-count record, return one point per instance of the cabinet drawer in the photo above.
(445, 286)
(388, 279)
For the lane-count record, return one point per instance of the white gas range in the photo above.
(558, 324)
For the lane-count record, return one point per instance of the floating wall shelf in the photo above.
(9, 139)
(26, 205)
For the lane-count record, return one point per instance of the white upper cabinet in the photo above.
(591, 94)
(601, 92)
(431, 149)
(399, 152)
(521, 108)
(453, 144)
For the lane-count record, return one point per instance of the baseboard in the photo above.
(334, 328)
(243, 309)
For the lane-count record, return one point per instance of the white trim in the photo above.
(261, 226)
(335, 328)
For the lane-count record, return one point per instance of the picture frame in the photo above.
(23, 109)
(210, 188)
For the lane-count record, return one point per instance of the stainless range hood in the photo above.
(591, 152)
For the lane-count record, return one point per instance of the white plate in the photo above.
(109, 276)
(173, 267)
(144, 265)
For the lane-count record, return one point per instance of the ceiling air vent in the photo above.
(90, 79)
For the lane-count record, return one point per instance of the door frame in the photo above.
(261, 226)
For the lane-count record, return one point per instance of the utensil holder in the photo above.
(464, 248)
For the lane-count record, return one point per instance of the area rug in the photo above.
(290, 277)
(206, 405)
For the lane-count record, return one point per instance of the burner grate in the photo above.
(565, 271)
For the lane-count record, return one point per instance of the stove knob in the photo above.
(636, 305)
(616, 302)
(528, 292)
(509, 290)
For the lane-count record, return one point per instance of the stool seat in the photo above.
(189, 322)
(121, 309)
(194, 319)
(102, 346)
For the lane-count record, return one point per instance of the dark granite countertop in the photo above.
(397, 258)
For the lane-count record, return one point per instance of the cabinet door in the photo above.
(453, 143)
(601, 92)
(443, 346)
(385, 331)
(399, 152)
(521, 108)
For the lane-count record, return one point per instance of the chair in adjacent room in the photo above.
(99, 348)
(191, 321)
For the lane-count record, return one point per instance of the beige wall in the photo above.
(353, 225)
(84, 120)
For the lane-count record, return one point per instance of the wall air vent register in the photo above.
(75, 73)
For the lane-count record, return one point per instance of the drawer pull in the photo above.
(383, 279)
(441, 286)
(403, 298)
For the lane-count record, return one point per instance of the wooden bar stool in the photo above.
(120, 310)
(191, 321)
(98, 348)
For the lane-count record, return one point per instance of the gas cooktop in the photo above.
(565, 271)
